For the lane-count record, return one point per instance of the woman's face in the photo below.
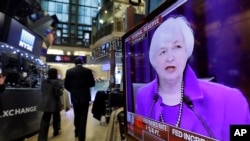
(171, 56)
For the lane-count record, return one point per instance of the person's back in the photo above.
(78, 81)
(51, 89)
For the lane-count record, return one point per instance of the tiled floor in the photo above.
(95, 130)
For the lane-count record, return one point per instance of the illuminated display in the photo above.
(105, 49)
(63, 58)
(152, 53)
(26, 40)
(21, 37)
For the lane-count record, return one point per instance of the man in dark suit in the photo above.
(78, 82)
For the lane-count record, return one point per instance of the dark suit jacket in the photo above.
(50, 101)
(99, 106)
(2, 88)
(78, 82)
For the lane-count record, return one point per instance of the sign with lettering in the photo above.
(26, 40)
(145, 129)
(239, 132)
(63, 58)
(21, 116)
(104, 49)
(18, 111)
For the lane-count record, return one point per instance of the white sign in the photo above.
(26, 40)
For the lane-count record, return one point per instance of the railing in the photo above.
(117, 26)
(76, 42)
(104, 31)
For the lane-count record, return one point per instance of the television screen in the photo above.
(64, 58)
(24, 39)
(105, 67)
(220, 54)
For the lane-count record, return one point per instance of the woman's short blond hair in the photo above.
(173, 21)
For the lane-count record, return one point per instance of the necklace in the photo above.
(180, 109)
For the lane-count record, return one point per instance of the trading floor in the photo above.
(95, 129)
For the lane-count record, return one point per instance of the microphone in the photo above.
(155, 98)
(190, 105)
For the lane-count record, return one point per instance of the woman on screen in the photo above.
(177, 97)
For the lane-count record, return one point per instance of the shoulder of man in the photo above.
(2, 87)
(71, 69)
(87, 69)
(56, 81)
(46, 81)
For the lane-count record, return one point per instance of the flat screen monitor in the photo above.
(105, 67)
(24, 39)
(221, 51)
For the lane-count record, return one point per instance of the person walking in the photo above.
(78, 81)
(51, 105)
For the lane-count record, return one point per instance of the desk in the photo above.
(21, 117)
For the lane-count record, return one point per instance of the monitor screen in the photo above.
(220, 38)
(24, 39)
(105, 67)
(64, 58)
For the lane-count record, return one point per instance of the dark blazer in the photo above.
(78, 81)
(50, 101)
(98, 109)
(2, 88)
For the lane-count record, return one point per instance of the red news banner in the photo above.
(146, 129)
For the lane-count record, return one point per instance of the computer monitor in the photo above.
(220, 51)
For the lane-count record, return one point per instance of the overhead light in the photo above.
(101, 21)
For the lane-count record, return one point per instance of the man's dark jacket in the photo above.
(78, 82)
(2, 88)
